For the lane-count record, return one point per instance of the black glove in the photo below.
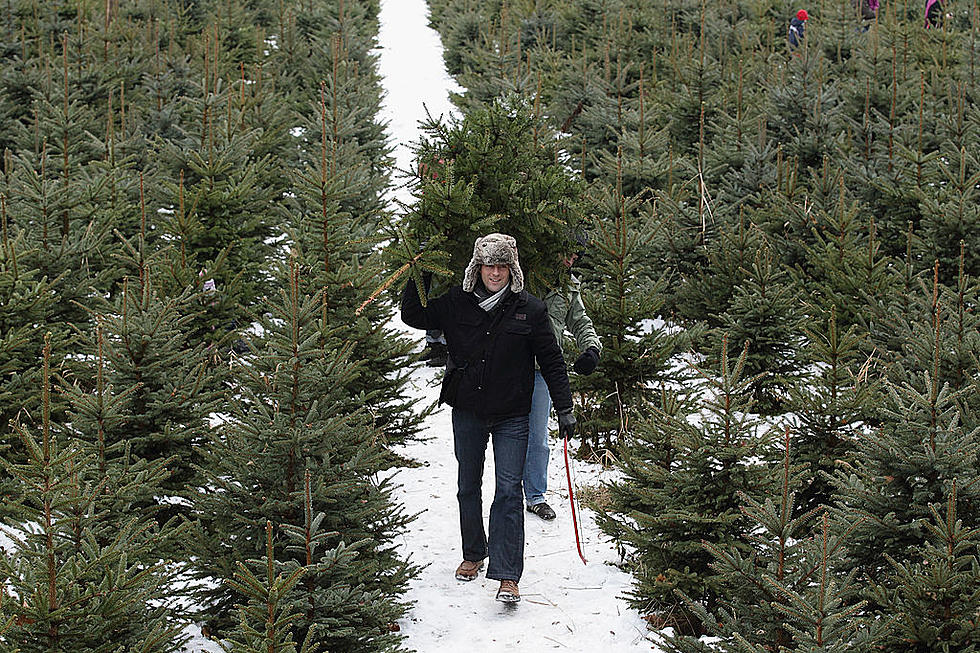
(566, 424)
(587, 361)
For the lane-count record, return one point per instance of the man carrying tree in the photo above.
(495, 330)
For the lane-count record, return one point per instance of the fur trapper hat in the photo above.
(494, 249)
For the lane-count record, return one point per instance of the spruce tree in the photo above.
(78, 580)
(934, 591)
(950, 213)
(787, 591)
(843, 268)
(668, 507)
(625, 303)
(265, 622)
(226, 210)
(831, 406)
(295, 410)
(333, 225)
(918, 449)
(706, 290)
(25, 300)
(496, 169)
(144, 337)
(765, 313)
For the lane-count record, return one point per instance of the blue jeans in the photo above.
(536, 465)
(506, 543)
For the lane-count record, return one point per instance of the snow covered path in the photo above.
(566, 605)
(415, 78)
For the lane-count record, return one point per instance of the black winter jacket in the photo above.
(498, 373)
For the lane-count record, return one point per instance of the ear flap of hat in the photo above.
(471, 275)
(516, 276)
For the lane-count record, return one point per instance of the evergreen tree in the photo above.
(265, 623)
(843, 268)
(222, 193)
(765, 313)
(496, 169)
(333, 226)
(707, 290)
(830, 406)
(951, 217)
(625, 305)
(668, 507)
(64, 242)
(295, 410)
(25, 301)
(786, 592)
(340, 608)
(75, 576)
(143, 337)
(918, 450)
(934, 593)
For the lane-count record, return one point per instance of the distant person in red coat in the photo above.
(796, 27)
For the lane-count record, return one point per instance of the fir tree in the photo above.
(265, 623)
(340, 610)
(765, 313)
(221, 221)
(918, 450)
(333, 225)
(496, 169)
(786, 592)
(148, 346)
(935, 591)
(830, 406)
(626, 301)
(843, 268)
(951, 217)
(706, 291)
(25, 301)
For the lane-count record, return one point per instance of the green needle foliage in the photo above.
(79, 578)
(936, 592)
(685, 493)
(265, 623)
(496, 169)
(782, 593)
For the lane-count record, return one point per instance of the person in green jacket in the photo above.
(567, 312)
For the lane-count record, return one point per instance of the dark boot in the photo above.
(542, 510)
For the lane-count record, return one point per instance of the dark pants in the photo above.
(506, 543)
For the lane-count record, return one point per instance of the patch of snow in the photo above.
(198, 643)
(217, 419)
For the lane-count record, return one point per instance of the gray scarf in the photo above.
(487, 300)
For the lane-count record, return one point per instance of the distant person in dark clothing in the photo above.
(935, 12)
(868, 8)
(867, 11)
(796, 27)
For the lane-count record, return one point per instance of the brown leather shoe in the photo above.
(468, 570)
(508, 592)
